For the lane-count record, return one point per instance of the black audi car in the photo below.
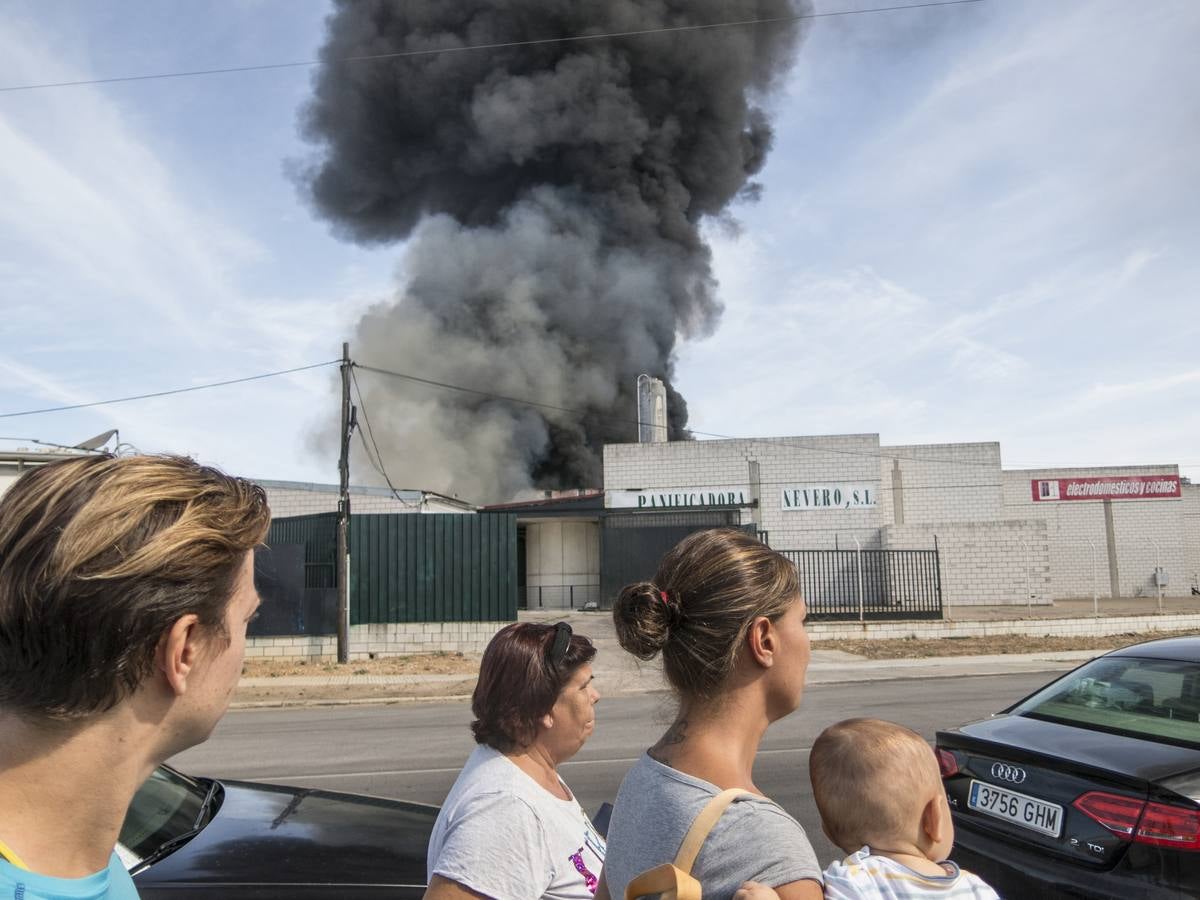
(1089, 787)
(190, 837)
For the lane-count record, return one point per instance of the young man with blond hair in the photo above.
(126, 586)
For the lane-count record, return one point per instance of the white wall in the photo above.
(984, 563)
(848, 458)
(300, 499)
(1191, 535)
(959, 492)
(1072, 523)
(943, 483)
(380, 640)
(561, 554)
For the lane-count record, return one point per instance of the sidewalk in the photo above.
(620, 673)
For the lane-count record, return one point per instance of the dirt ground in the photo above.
(913, 648)
(417, 664)
(468, 666)
(292, 695)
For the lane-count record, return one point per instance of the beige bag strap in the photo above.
(674, 881)
(703, 824)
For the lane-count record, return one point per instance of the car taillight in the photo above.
(1169, 826)
(946, 762)
(1135, 820)
(1116, 813)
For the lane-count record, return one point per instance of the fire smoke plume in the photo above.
(553, 195)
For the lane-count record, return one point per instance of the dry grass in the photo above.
(417, 664)
(293, 695)
(917, 648)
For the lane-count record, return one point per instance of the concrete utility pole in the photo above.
(343, 520)
(1110, 534)
(755, 494)
(897, 492)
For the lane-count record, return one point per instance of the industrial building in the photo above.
(845, 508)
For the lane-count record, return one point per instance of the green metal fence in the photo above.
(433, 568)
(440, 567)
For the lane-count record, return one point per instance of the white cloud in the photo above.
(1104, 394)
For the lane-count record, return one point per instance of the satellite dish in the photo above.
(95, 443)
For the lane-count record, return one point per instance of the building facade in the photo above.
(1003, 536)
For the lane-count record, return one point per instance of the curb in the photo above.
(1004, 664)
(359, 701)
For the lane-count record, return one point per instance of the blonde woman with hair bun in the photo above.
(725, 612)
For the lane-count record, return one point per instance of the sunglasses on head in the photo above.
(562, 640)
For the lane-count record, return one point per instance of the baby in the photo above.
(881, 800)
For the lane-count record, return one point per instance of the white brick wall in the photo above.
(1191, 535)
(984, 563)
(1136, 523)
(943, 483)
(957, 491)
(881, 631)
(782, 461)
(378, 640)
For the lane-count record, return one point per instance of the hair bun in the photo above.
(644, 615)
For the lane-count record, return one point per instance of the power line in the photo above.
(794, 442)
(185, 390)
(377, 463)
(789, 441)
(493, 46)
(466, 390)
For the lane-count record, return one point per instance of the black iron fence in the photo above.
(869, 585)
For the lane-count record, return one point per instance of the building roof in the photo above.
(406, 495)
(568, 503)
(23, 455)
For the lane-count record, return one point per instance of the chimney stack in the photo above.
(652, 410)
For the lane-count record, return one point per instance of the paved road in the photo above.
(414, 751)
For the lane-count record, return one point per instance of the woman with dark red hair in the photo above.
(510, 827)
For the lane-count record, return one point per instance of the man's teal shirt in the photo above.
(112, 883)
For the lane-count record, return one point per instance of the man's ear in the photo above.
(178, 651)
(548, 721)
(762, 642)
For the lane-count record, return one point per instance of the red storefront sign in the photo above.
(1107, 487)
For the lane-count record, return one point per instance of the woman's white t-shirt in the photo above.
(503, 835)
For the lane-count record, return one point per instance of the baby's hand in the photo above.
(752, 890)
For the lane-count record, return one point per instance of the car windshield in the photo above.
(164, 808)
(1147, 698)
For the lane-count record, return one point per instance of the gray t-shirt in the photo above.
(755, 840)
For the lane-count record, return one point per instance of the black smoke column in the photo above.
(553, 195)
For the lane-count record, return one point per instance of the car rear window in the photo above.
(1154, 698)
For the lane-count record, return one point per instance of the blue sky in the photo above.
(978, 223)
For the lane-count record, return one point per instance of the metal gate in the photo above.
(869, 585)
(404, 567)
(633, 544)
(294, 575)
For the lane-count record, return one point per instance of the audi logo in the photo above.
(1005, 772)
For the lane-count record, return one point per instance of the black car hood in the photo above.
(266, 834)
(1135, 758)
